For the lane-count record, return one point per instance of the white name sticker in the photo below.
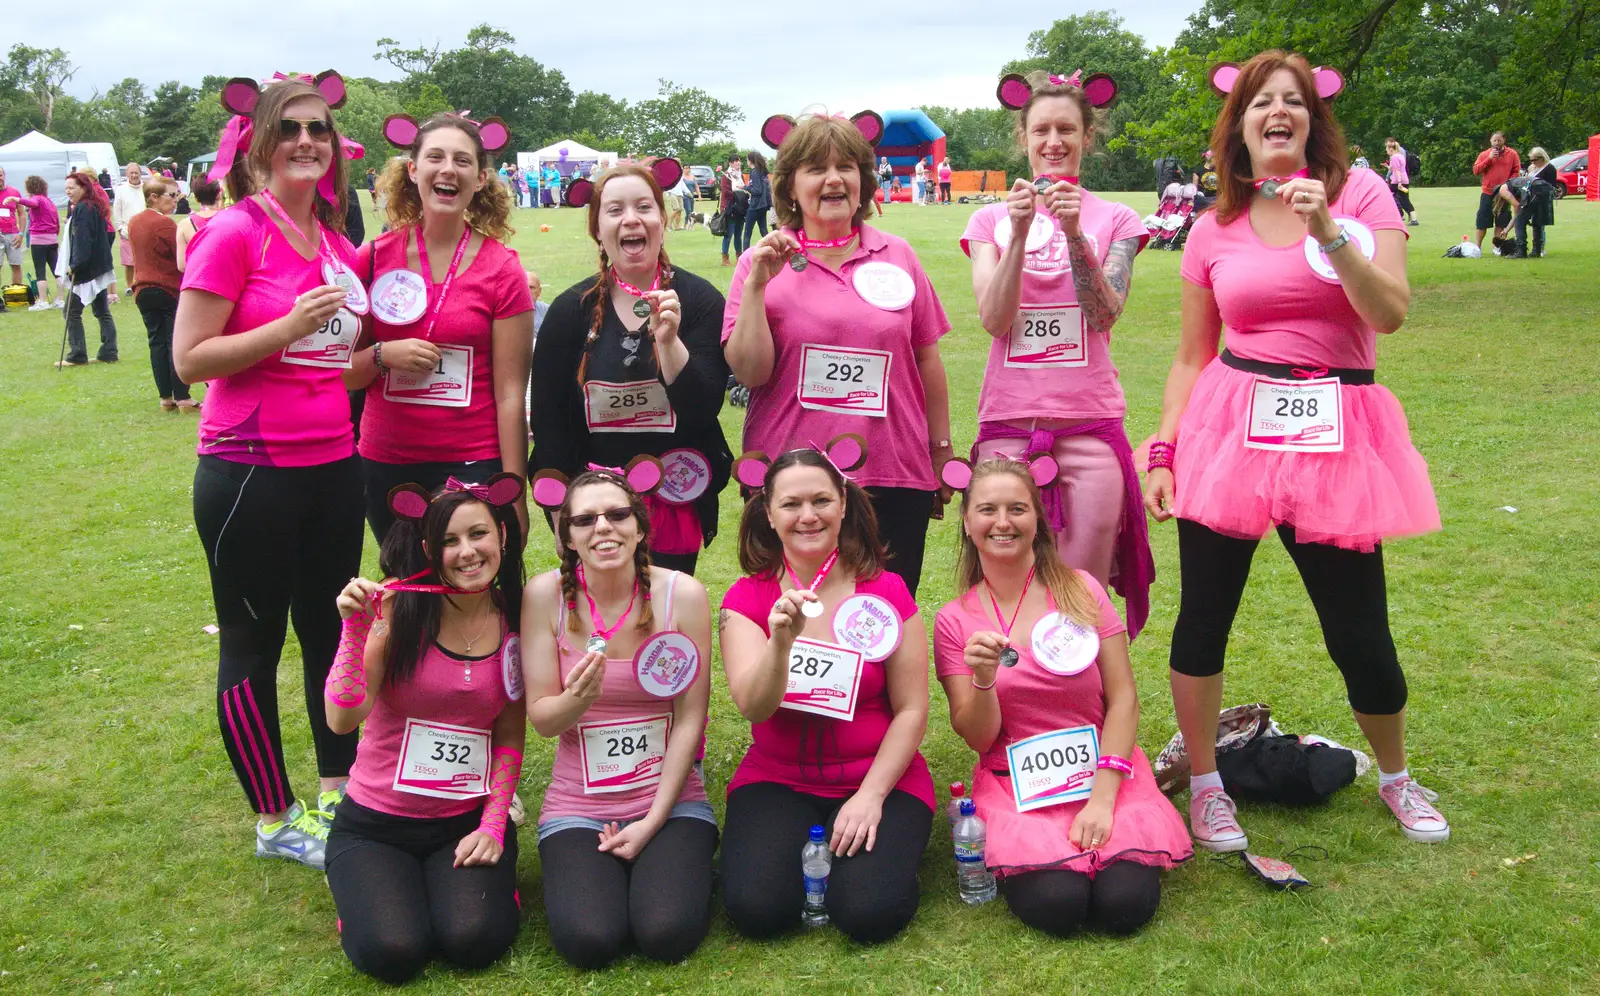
(447, 385)
(823, 679)
(511, 664)
(666, 664)
(884, 285)
(1360, 234)
(1040, 231)
(399, 297)
(685, 476)
(1053, 768)
(1047, 337)
(848, 381)
(869, 624)
(330, 346)
(623, 755)
(442, 761)
(1063, 646)
(639, 406)
(1304, 416)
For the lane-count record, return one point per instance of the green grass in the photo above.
(125, 854)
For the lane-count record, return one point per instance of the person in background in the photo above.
(156, 279)
(372, 186)
(1530, 196)
(733, 207)
(106, 184)
(209, 195)
(684, 193)
(89, 269)
(944, 181)
(552, 185)
(129, 202)
(1496, 164)
(760, 188)
(885, 181)
(44, 232)
(919, 182)
(10, 231)
(1400, 179)
(355, 223)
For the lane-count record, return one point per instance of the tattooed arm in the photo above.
(1102, 290)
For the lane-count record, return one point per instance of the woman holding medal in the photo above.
(1034, 661)
(421, 859)
(1305, 263)
(1050, 386)
(277, 493)
(629, 362)
(618, 669)
(831, 324)
(828, 660)
(452, 319)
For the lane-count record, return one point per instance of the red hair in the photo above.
(93, 193)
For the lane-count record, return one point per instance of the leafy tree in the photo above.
(678, 119)
(166, 123)
(489, 78)
(42, 74)
(603, 117)
(428, 102)
(361, 118)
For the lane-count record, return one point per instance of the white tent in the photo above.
(102, 156)
(36, 154)
(567, 156)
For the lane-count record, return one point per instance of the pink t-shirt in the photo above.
(816, 754)
(493, 287)
(822, 309)
(1274, 306)
(1091, 391)
(273, 413)
(44, 219)
(1032, 699)
(944, 172)
(437, 692)
(8, 212)
(1397, 170)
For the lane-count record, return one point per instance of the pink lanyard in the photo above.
(1051, 178)
(806, 243)
(827, 565)
(325, 250)
(405, 584)
(636, 292)
(1278, 181)
(601, 630)
(449, 277)
(1006, 627)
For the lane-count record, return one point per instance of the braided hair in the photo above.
(645, 620)
(599, 296)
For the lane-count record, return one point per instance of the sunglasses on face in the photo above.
(318, 129)
(615, 516)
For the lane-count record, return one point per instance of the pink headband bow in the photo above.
(1076, 79)
(294, 77)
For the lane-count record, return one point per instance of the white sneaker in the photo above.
(39, 306)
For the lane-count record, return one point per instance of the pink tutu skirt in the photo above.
(1144, 828)
(1376, 488)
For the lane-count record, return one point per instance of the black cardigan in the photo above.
(90, 252)
(561, 438)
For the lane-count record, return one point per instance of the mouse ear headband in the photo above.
(666, 170)
(411, 501)
(241, 95)
(1224, 75)
(1015, 90)
(402, 131)
(550, 487)
(847, 452)
(957, 472)
(777, 128)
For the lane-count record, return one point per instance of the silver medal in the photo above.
(596, 645)
(1269, 188)
(641, 308)
(1009, 657)
(1042, 184)
(798, 263)
(811, 610)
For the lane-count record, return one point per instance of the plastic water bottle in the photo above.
(815, 864)
(974, 879)
(953, 811)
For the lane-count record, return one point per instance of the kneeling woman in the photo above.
(1034, 661)
(626, 834)
(420, 858)
(828, 660)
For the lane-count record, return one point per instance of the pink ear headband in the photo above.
(957, 472)
(846, 452)
(1224, 75)
(411, 501)
(241, 94)
(777, 128)
(402, 130)
(1015, 89)
(643, 475)
(666, 170)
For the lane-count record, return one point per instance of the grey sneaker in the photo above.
(299, 836)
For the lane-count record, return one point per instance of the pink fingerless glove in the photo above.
(504, 774)
(346, 686)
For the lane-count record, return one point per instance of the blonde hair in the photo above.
(1537, 152)
(252, 170)
(813, 141)
(155, 187)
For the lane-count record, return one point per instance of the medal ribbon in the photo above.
(1007, 627)
(600, 628)
(449, 277)
(636, 292)
(1281, 180)
(827, 565)
(807, 243)
(325, 251)
(405, 584)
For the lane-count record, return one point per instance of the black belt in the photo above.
(1294, 371)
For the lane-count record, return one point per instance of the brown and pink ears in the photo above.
(1329, 81)
(957, 472)
(402, 129)
(777, 128)
(241, 94)
(666, 170)
(1099, 88)
(549, 487)
(411, 501)
(846, 451)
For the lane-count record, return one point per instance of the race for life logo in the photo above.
(867, 624)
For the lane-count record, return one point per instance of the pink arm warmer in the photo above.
(504, 774)
(346, 686)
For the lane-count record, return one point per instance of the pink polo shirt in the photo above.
(855, 346)
(1051, 391)
(8, 212)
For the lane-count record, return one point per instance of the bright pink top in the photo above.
(1397, 170)
(1091, 391)
(621, 699)
(273, 413)
(1032, 700)
(437, 692)
(493, 287)
(944, 172)
(816, 754)
(822, 308)
(44, 219)
(8, 212)
(1274, 306)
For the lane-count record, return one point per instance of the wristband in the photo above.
(504, 774)
(985, 688)
(346, 684)
(1161, 454)
(1115, 763)
(377, 357)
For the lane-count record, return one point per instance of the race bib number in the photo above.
(330, 346)
(447, 385)
(1063, 646)
(666, 664)
(1296, 415)
(868, 624)
(443, 761)
(5, 212)
(1047, 337)
(1053, 768)
(823, 679)
(623, 755)
(640, 406)
(1360, 234)
(848, 381)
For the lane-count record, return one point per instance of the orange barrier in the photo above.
(968, 181)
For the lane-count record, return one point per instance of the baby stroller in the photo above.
(1169, 226)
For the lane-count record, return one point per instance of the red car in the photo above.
(1572, 172)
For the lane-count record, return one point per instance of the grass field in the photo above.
(125, 850)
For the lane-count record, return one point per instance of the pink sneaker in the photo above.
(1212, 823)
(1412, 805)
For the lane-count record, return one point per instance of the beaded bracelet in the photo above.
(1161, 454)
(1115, 763)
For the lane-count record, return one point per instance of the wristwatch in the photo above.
(1342, 238)
(377, 356)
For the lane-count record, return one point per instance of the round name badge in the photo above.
(355, 295)
(666, 664)
(867, 624)
(1064, 646)
(1360, 234)
(399, 297)
(511, 662)
(685, 476)
(884, 285)
(1040, 231)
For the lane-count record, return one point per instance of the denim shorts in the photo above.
(692, 810)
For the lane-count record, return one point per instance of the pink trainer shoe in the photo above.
(1412, 805)
(1212, 822)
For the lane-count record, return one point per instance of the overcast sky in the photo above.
(846, 63)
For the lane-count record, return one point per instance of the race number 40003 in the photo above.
(1053, 768)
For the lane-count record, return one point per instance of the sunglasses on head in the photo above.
(317, 128)
(615, 516)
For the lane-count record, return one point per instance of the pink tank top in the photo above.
(604, 766)
(424, 748)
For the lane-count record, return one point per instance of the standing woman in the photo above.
(1304, 264)
(277, 492)
(629, 363)
(618, 668)
(44, 234)
(832, 324)
(130, 200)
(208, 194)
(1050, 386)
(451, 316)
(155, 286)
(89, 270)
(1400, 179)
(944, 180)
(827, 658)
(760, 188)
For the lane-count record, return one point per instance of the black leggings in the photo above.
(280, 542)
(903, 515)
(1346, 587)
(401, 900)
(44, 261)
(159, 309)
(595, 902)
(871, 896)
(1121, 898)
(381, 478)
